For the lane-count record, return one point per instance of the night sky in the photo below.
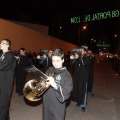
(44, 11)
(57, 13)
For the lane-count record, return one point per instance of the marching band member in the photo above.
(7, 68)
(54, 99)
(22, 63)
(81, 75)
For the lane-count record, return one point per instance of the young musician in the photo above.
(54, 99)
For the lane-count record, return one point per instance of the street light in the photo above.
(116, 43)
(92, 40)
(84, 27)
(79, 32)
(115, 35)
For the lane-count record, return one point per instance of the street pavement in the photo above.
(105, 105)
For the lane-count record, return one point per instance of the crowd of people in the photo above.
(73, 77)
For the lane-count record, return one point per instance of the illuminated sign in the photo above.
(96, 16)
(103, 45)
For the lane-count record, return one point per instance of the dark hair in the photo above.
(42, 52)
(22, 49)
(90, 50)
(58, 52)
(8, 41)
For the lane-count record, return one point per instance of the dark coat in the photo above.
(54, 101)
(7, 67)
(91, 73)
(46, 63)
(22, 63)
(81, 75)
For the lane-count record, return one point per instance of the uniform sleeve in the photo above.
(24, 61)
(6, 63)
(64, 90)
(84, 61)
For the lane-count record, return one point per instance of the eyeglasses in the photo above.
(2, 43)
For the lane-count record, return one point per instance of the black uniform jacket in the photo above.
(54, 101)
(7, 67)
(81, 76)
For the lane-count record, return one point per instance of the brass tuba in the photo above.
(34, 89)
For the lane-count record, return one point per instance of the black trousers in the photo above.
(4, 105)
(20, 80)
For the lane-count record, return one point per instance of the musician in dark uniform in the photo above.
(46, 60)
(22, 63)
(54, 99)
(7, 68)
(81, 75)
(91, 73)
